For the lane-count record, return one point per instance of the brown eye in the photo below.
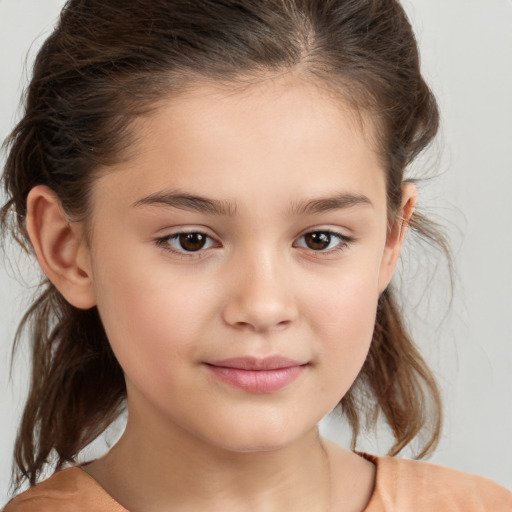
(183, 244)
(192, 241)
(318, 240)
(324, 242)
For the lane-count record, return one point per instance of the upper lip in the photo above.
(255, 363)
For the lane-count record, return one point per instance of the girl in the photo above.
(215, 192)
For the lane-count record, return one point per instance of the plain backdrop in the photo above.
(466, 48)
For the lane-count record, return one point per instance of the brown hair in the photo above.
(110, 61)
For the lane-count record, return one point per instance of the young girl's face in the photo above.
(237, 258)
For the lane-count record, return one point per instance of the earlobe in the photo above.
(396, 235)
(60, 247)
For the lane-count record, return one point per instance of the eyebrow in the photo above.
(192, 202)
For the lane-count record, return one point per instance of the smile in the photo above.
(257, 375)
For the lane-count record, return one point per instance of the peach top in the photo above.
(401, 486)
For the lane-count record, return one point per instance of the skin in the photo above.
(257, 288)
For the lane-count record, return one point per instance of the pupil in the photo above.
(192, 241)
(318, 240)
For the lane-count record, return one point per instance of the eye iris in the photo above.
(318, 240)
(192, 241)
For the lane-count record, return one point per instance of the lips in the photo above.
(256, 375)
(253, 363)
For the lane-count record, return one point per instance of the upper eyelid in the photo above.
(344, 238)
(213, 237)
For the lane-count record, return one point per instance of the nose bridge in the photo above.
(261, 295)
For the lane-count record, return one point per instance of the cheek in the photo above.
(344, 324)
(151, 316)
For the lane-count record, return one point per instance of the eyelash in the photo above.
(164, 243)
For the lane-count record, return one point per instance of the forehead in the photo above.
(273, 107)
(281, 134)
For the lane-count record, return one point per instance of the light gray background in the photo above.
(466, 50)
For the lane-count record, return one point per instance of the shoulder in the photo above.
(69, 490)
(406, 485)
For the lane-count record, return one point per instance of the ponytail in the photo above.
(77, 386)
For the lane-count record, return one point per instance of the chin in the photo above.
(259, 438)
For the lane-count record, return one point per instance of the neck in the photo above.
(179, 471)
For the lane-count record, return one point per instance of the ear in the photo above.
(60, 247)
(396, 235)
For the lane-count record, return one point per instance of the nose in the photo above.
(261, 296)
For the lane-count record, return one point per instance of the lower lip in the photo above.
(257, 381)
